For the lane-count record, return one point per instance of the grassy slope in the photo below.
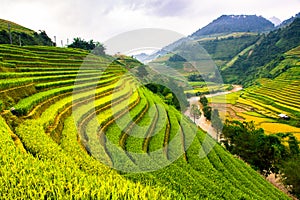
(63, 169)
(14, 27)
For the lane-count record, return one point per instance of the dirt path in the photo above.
(202, 122)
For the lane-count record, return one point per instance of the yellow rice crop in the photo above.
(279, 128)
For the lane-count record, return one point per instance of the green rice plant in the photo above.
(26, 104)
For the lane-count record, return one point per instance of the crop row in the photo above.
(26, 104)
(275, 102)
(55, 174)
(277, 97)
(290, 91)
(21, 51)
(77, 81)
(89, 111)
(15, 82)
(33, 74)
(94, 141)
(111, 131)
(50, 114)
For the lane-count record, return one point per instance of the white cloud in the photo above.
(101, 19)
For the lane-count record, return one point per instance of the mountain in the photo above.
(289, 21)
(220, 28)
(21, 34)
(235, 23)
(271, 48)
(141, 57)
(275, 21)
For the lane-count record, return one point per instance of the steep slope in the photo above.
(14, 27)
(251, 65)
(288, 21)
(21, 34)
(235, 23)
(223, 49)
(281, 94)
(69, 105)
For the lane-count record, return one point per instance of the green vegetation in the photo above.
(290, 174)
(195, 112)
(260, 61)
(267, 153)
(278, 95)
(224, 50)
(20, 34)
(216, 122)
(171, 93)
(95, 47)
(80, 120)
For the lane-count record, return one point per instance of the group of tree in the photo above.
(94, 47)
(171, 93)
(23, 38)
(206, 108)
(275, 153)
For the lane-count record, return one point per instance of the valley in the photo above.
(77, 123)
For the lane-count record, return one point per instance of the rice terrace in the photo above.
(212, 115)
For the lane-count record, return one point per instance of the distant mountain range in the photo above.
(224, 25)
(237, 46)
(235, 23)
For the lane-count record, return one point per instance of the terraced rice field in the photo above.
(83, 126)
(262, 104)
(206, 88)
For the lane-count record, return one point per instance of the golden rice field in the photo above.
(279, 128)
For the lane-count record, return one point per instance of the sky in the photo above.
(101, 20)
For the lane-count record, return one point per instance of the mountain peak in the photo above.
(235, 23)
(275, 20)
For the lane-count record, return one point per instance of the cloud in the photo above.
(173, 8)
(102, 19)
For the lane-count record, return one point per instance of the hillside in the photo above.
(69, 129)
(235, 23)
(14, 27)
(22, 34)
(224, 49)
(268, 97)
(270, 51)
(288, 21)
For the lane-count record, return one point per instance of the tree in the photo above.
(291, 174)
(207, 112)
(203, 100)
(262, 152)
(216, 122)
(293, 145)
(99, 49)
(195, 112)
(95, 47)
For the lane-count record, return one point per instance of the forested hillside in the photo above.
(261, 59)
